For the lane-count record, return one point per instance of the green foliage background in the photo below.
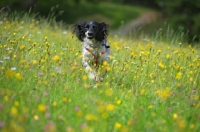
(184, 13)
(179, 13)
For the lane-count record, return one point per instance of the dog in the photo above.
(95, 46)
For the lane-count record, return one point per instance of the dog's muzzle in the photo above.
(90, 35)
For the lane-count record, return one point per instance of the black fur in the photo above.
(100, 33)
(79, 30)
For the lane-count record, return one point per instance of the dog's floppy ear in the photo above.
(103, 31)
(104, 27)
(79, 30)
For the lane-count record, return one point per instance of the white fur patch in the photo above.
(94, 51)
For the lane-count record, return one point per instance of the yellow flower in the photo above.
(90, 117)
(14, 126)
(41, 108)
(79, 113)
(14, 56)
(104, 115)
(16, 103)
(55, 104)
(22, 61)
(191, 72)
(108, 68)
(73, 67)
(64, 99)
(85, 77)
(168, 56)
(10, 52)
(105, 63)
(130, 122)
(6, 98)
(142, 92)
(111, 57)
(56, 58)
(175, 116)
(192, 126)
(196, 98)
(34, 62)
(35, 117)
(150, 106)
(178, 75)
(191, 79)
(151, 75)
(45, 82)
(21, 47)
(100, 108)
(178, 85)
(133, 54)
(159, 51)
(10, 73)
(53, 74)
(157, 92)
(14, 111)
(42, 60)
(18, 76)
(118, 125)
(110, 107)
(161, 65)
(118, 102)
(164, 94)
(109, 92)
(45, 37)
(27, 66)
(181, 123)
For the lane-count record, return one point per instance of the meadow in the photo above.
(153, 83)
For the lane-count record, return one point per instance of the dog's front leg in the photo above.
(92, 73)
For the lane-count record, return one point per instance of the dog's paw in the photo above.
(98, 79)
(94, 76)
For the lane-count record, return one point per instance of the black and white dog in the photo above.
(95, 47)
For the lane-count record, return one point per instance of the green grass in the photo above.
(153, 84)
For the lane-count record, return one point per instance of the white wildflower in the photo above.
(13, 68)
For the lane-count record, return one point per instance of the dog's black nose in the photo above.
(90, 34)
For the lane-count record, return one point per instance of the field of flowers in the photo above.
(151, 85)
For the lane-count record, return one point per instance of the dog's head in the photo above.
(91, 30)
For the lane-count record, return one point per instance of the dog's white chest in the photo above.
(95, 52)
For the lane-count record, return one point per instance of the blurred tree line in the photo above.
(184, 13)
(180, 13)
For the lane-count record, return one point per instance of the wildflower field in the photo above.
(153, 83)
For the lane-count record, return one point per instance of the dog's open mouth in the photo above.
(90, 37)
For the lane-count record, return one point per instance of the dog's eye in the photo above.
(87, 26)
(94, 27)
